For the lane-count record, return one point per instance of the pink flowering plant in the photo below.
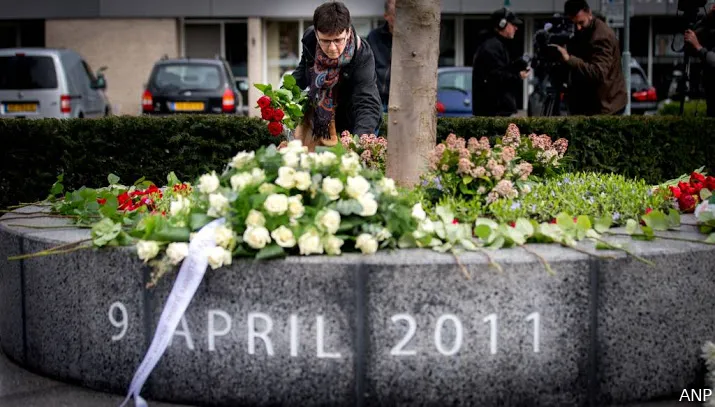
(476, 169)
(371, 149)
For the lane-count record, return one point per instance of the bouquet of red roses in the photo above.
(282, 108)
(689, 194)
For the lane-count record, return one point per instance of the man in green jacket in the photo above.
(597, 84)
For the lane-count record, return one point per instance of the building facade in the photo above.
(261, 39)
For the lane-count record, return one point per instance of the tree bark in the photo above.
(412, 120)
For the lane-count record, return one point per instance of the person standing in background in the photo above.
(380, 40)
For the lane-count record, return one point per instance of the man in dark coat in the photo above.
(380, 40)
(338, 67)
(702, 42)
(597, 84)
(495, 79)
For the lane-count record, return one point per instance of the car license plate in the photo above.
(189, 106)
(21, 107)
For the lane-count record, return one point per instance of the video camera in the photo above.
(558, 31)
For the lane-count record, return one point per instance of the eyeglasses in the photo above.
(338, 42)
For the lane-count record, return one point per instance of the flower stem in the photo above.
(598, 256)
(51, 227)
(461, 267)
(53, 250)
(546, 264)
(492, 263)
(24, 204)
(681, 239)
(630, 253)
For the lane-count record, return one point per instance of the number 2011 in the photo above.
(491, 319)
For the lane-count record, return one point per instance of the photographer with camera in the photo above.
(597, 85)
(495, 77)
(706, 55)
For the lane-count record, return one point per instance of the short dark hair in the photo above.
(573, 7)
(331, 18)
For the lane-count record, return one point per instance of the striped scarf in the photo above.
(323, 77)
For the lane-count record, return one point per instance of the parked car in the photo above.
(49, 83)
(454, 91)
(188, 85)
(644, 98)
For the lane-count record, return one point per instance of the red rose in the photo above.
(278, 115)
(275, 128)
(687, 203)
(264, 102)
(685, 188)
(455, 221)
(697, 177)
(101, 201)
(648, 210)
(440, 107)
(675, 191)
(710, 183)
(267, 113)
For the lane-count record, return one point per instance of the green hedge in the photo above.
(86, 151)
(34, 152)
(691, 108)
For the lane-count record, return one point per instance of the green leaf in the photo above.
(524, 227)
(104, 231)
(348, 207)
(270, 252)
(468, 244)
(199, 220)
(263, 88)
(289, 81)
(58, 187)
(631, 226)
(284, 94)
(113, 179)
(583, 222)
(172, 179)
(705, 194)
(674, 218)
(565, 221)
(603, 223)
(445, 214)
(171, 234)
(483, 231)
(466, 180)
(710, 239)
(656, 220)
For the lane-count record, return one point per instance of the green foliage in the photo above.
(594, 195)
(34, 152)
(692, 108)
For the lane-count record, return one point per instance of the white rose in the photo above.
(257, 176)
(330, 220)
(387, 186)
(256, 237)
(310, 243)
(295, 206)
(218, 205)
(366, 243)
(418, 213)
(307, 160)
(178, 205)
(291, 159)
(357, 187)
(384, 234)
(326, 158)
(283, 237)
(294, 146)
(332, 187)
(208, 183)
(224, 236)
(255, 218)
(241, 181)
(350, 163)
(302, 180)
(286, 177)
(426, 226)
(177, 252)
(369, 205)
(242, 159)
(218, 256)
(276, 204)
(266, 188)
(147, 249)
(333, 245)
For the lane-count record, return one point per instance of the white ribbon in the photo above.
(190, 275)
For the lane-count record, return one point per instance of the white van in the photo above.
(49, 83)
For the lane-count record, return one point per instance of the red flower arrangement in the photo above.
(282, 108)
(688, 194)
(272, 115)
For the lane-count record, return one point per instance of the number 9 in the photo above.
(123, 323)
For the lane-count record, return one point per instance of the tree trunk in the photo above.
(412, 121)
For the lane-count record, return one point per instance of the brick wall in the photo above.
(128, 47)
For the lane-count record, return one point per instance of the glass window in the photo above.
(27, 72)
(447, 51)
(461, 80)
(188, 76)
(282, 51)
